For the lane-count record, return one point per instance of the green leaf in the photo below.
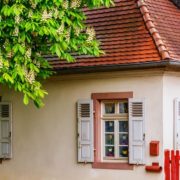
(26, 99)
(8, 78)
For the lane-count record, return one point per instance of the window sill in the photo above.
(104, 165)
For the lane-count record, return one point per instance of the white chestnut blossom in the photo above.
(77, 31)
(46, 15)
(28, 53)
(6, 43)
(25, 70)
(29, 75)
(38, 54)
(33, 4)
(1, 61)
(60, 29)
(16, 31)
(68, 35)
(56, 13)
(10, 54)
(75, 4)
(65, 4)
(91, 34)
(17, 19)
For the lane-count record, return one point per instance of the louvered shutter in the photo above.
(5, 130)
(136, 131)
(85, 131)
(177, 123)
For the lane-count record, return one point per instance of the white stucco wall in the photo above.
(44, 140)
(171, 90)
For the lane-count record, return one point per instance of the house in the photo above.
(102, 114)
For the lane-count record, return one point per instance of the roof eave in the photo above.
(166, 64)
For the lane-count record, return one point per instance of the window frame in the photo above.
(97, 98)
(116, 118)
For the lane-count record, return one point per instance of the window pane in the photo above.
(123, 107)
(123, 139)
(123, 126)
(123, 151)
(109, 139)
(109, 151)
(109, 126)
(109, 108)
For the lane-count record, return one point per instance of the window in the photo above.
(114, 117)
(111, 130)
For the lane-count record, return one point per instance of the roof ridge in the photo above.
(163, 51)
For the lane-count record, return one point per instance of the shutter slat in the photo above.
(5, 130)
(85, 131)
(5, 111)
(136, 131)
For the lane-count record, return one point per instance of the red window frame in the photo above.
(97, 98)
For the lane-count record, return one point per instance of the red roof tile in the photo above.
(150, 24)
(166, 18)
(132, 32)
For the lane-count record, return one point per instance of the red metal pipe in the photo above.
(154, 167)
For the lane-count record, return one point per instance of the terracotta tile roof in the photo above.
(166, 18)
(150, 24)
(132, 32)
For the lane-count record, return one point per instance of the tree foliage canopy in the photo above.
(31, 28)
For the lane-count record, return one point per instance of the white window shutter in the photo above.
(136, 131)
(85, 131)
(5, 130)
(177, 124)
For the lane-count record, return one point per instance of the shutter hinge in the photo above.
(144, 135)
(10, 134)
